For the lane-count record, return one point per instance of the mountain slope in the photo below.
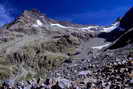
(34, 43)
(37, 46)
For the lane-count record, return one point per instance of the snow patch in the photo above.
(90, 27)
(59, 25)
(111, 28)
(81, 29)
(38, 24)
(86, 30)
(100, 47)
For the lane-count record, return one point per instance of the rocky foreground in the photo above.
(82, 74)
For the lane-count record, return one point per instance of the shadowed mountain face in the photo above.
(126, 23)
(125, 39)
(37, 46)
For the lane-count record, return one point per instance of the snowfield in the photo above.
(100, 47)
(90, 28)
(59, 25)
(111, 28)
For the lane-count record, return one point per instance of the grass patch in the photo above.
(52, 60)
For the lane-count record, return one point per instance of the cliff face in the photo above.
(125, 37)
(126, 23)
(127, 20)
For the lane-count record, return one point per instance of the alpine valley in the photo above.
(38, 52)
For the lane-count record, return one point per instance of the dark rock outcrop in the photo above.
(127, 21)
(123, 40)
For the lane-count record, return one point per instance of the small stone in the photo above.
(131, 75)
(123, 62)
(89, 85)
(68, 61)
(115, 63)
(122, 70)
(64, 83)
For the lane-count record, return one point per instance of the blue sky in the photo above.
(99, 12)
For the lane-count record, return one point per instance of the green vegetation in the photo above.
(4, 72)
(40, 56)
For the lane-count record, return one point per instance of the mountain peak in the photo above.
(28, 18)
(32, 12)
(33, 15)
